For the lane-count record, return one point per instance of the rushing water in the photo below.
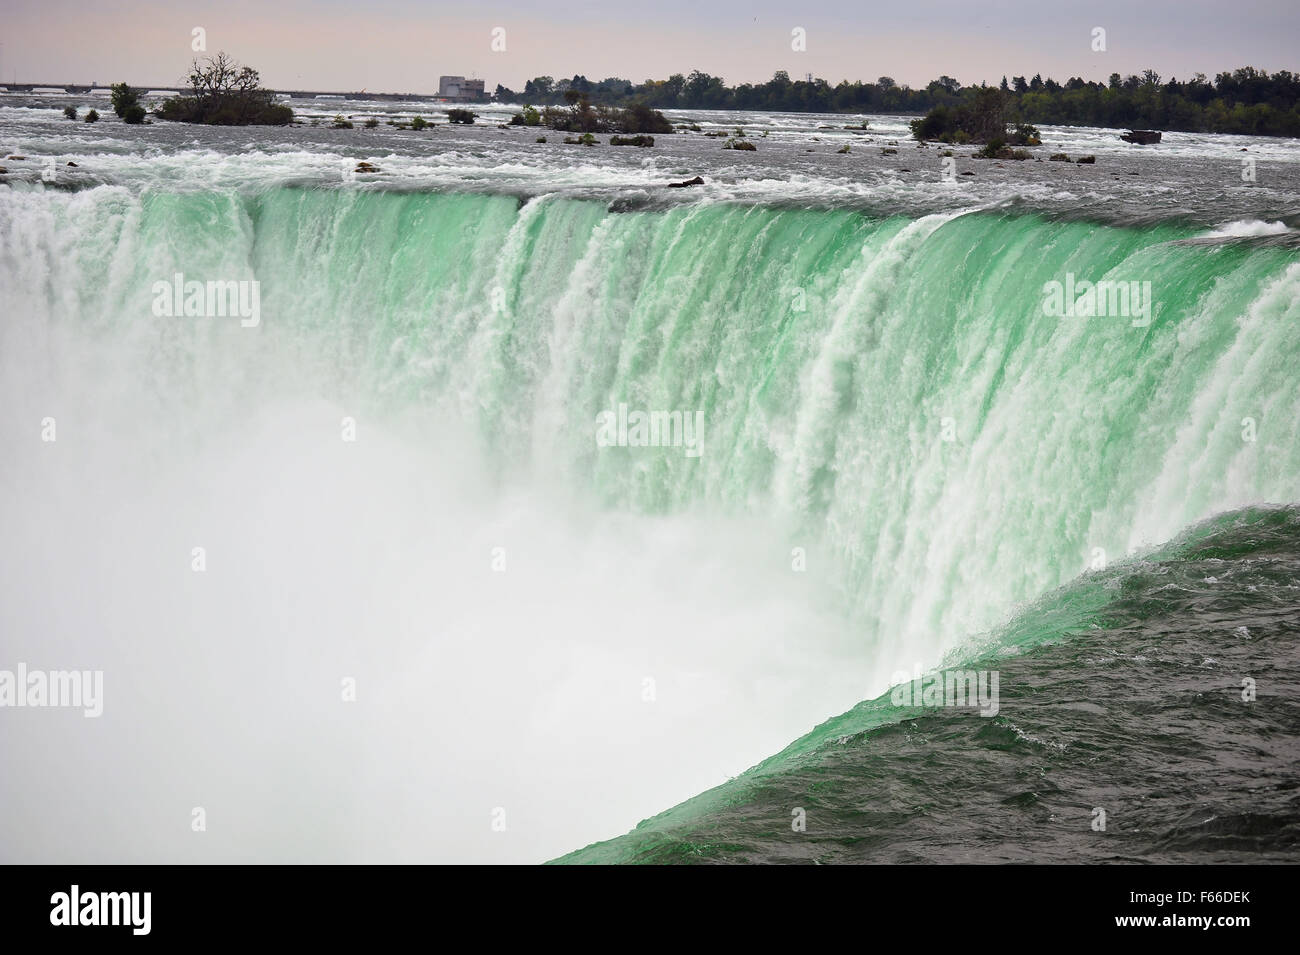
(1122, 699)
(900, 448)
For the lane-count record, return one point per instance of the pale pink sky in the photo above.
(401, 45)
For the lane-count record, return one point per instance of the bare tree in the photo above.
(223, 91)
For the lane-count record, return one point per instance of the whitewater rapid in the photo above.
(901, 448)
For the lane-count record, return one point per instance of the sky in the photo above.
(403, 46)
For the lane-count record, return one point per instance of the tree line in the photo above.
(1246, 100)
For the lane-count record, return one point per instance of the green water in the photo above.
(890, 392)
(887, 397)
(1121, 689)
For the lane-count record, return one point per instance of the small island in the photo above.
(222, 93)
(225, 93)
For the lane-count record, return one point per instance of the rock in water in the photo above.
(1143, 137)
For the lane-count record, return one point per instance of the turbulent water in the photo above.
(397, 478)
(1122, 699)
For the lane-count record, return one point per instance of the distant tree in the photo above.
(982, 118)
(123, 98)
(579, 117)
(1246, 100)
(584, 118)
(703, 90)
(936, 124)
(224, 93)
(640, 118)
(987, 116)
(540, 87)
(527, 117)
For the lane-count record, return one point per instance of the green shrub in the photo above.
(631, 140)
(982, 118)
(124, 98)
(419, 122)
(251, 111)
(997, 149)
(92, 116)
(134, 114)
(1025, 135)
(371, 123)
(462, 116)
(638, 118)
(70, 112)
(582, 117)
(340, 123)
(936, 124)
(586, 139)
(528, 117)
